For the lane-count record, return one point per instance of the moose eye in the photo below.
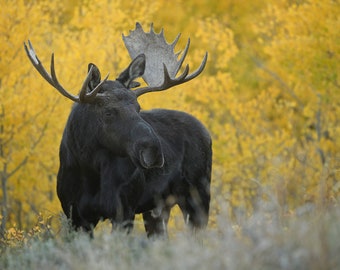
(110, 113)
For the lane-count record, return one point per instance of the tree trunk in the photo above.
(4, 206)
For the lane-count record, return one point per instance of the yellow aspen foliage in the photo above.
(269, 94)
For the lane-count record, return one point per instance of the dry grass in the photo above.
(307, 239)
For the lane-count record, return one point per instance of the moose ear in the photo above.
(95, 78)
(134, 70)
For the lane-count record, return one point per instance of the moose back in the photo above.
(116, 160)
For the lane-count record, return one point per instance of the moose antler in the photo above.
(162, 64)
(84, 96)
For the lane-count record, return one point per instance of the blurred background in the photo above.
(269, 95)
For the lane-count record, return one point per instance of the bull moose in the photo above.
(117, 160)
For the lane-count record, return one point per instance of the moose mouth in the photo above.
(151, 158)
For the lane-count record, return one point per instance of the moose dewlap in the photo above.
(116, 160)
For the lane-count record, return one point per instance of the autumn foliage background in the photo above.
(269, 95)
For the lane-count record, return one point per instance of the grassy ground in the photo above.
(308, 239)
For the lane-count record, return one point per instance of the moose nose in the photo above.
(147, 148)
(151, 157)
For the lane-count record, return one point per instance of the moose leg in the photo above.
(124, 199)
(195, 206)
(76, 221)
(124, 220)
(88, 212)
(85, 225)
(75, 201)
(156, 225)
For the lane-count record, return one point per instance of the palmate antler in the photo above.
(162, 64)
(83, 97)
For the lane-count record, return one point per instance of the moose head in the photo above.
(119, 125)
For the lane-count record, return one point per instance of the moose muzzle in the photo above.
(147, 150)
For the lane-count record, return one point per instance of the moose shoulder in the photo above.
(117, 161)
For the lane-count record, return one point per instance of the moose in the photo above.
(117, 160)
